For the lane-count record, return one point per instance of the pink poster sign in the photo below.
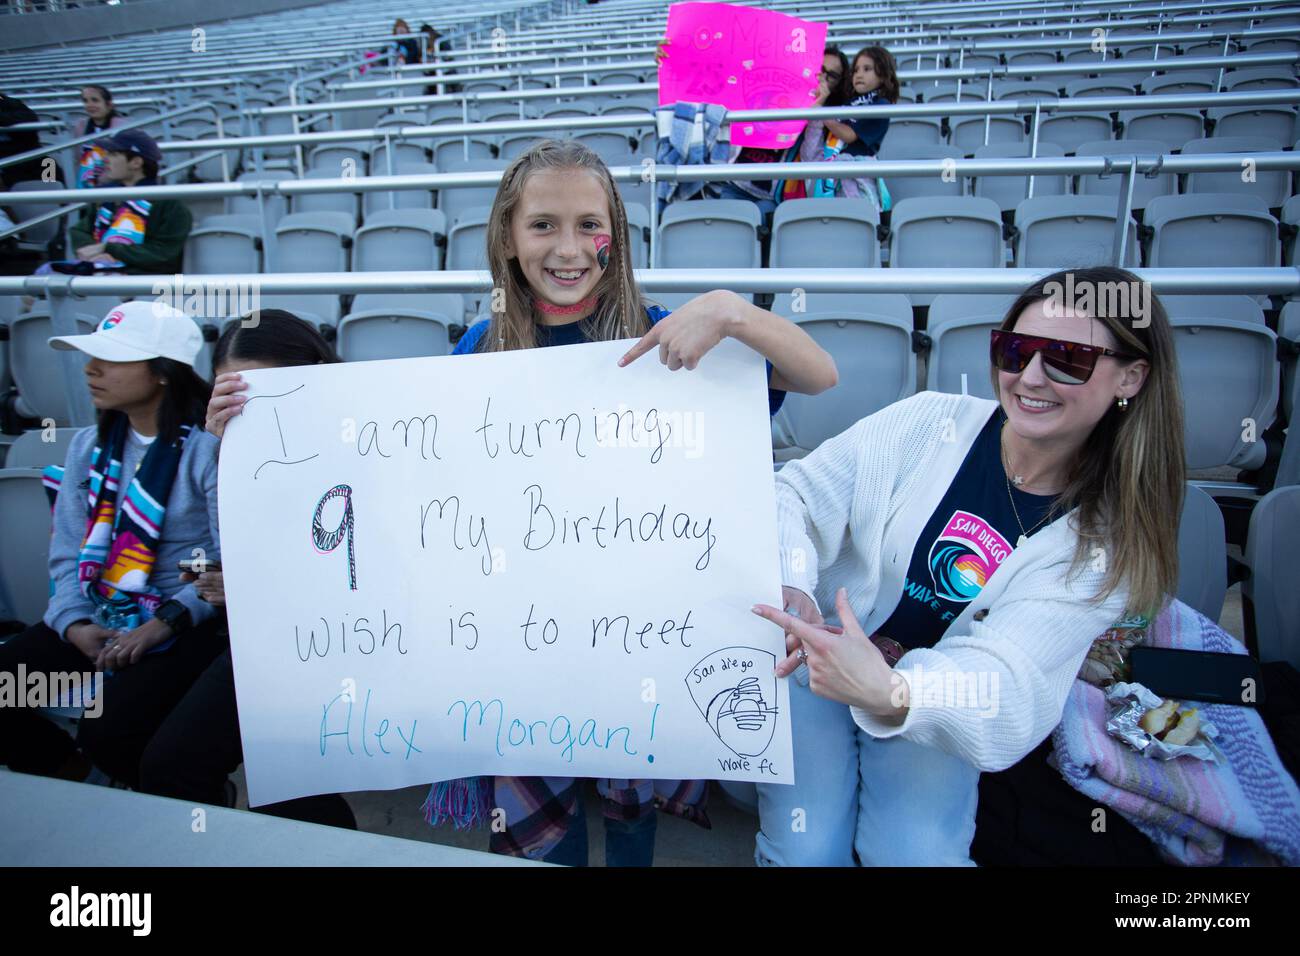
(743, 58)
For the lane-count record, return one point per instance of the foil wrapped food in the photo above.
(1128, 703)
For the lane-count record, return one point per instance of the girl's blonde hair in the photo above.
(1128, 478)
(620, 311)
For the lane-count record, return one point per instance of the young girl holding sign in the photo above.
(562, 275)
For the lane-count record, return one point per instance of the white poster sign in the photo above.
(529, 563)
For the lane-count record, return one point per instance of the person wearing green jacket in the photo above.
(141, 236)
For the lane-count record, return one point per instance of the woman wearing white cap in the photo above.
(137, 495)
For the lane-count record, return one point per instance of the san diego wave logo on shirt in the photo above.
(964, 557)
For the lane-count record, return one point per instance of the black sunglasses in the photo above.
(1066, 363)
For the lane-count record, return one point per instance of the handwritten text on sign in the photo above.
(530, 563)
(743, 58)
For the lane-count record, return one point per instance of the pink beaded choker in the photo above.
(578, 308)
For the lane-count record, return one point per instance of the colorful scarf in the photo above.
(91, 167)
(120, 546)
(125, 223)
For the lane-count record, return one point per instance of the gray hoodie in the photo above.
(190, 522)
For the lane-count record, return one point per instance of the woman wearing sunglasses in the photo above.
(970, 550)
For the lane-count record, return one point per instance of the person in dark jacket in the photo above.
(143, 236)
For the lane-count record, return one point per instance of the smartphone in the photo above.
(1204, 676)
(199, 565)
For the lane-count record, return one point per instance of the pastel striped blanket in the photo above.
(1197, 813)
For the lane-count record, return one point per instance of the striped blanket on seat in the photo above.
(1197, 813)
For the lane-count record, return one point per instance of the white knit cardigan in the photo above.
(850, 515)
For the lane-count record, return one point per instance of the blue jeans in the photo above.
(731, 191)
(892, 802)
(627, 842)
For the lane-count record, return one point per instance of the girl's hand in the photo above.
(210, 586)
(844, 667)
(661, 50)
(689, 333)
(89, 638)
(128, 649)
(823, 91)
(226, 402)
(86, 253)
(799, 605)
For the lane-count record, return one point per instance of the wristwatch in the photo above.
(175, 615)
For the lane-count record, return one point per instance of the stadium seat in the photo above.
(402, 198)
(967, 132)
(610, 145)
(37, 369)
(1180, 81)
(870, 337)
(1170, 127)
(312, 242)
(449, 304)
(400, 240)
(225, 244)
(25, 545)
(1042, 90)
(36, 237)
(638, 234)
(958, 327)
(453, 201)
(389, 333)
(826, 234)
(1145, 188)
(452, 149)
(345, 203)
(1068, 130)
(1008, 191)
(915, 131)
(1064, 231)
(404, 153)
(1097, 86)
(31, 450)
(1261, 78)
(1272, 186)
(709, 233)
(337, 160)
(514, 145)
(912, 187)
(1291, 216)
(1202, 554)
(1217, 342)
(1211, 229)
(276, 205)
(956, 232)
(1270, 589)
(1274, 123)
(1288, 327)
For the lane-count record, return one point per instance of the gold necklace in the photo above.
(1006, 471)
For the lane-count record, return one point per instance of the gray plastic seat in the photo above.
(1216, 343)
(450, 304)
(1031, 58)
(915, 130)
(613, 146)
(31, 450)
(946, 233)
(1008, 191)
(402, 198)
(38, 236)
(1097, 86)
(1272, 186)
(1261, 78)
(1211, 229)
(1067, 231)
(346, 203)
(825, 233)
(1291, 216)
(276, 205)
(515, 145)
(337, 160)
(312, 242)
(1270, 588)
(1170, 127)
(958, 326)
(25, 545)
(1145, 188)
(403, 152)
(1202, 554)
(710, 233)
(467, 240)
(225, 244)
(912, 187)
(1068, 130)
(400, 240)
(1180, 81)
(1042, 90)
(389, 333)
(1277, 124)
(449, 149)
(453, 201)
(37, 369)
(967, 132)
(638, 234)
(870, 338)
(1288, 327)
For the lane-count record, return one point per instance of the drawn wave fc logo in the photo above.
(964, 557)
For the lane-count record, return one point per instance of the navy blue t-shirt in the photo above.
(871, 132)
(571, 333)
(967, 538)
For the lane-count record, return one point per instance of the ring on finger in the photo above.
(802, 655)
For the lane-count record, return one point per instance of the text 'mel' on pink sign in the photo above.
(743, 58)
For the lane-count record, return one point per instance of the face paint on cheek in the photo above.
(602, 250)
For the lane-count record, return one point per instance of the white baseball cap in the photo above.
(135, 331)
